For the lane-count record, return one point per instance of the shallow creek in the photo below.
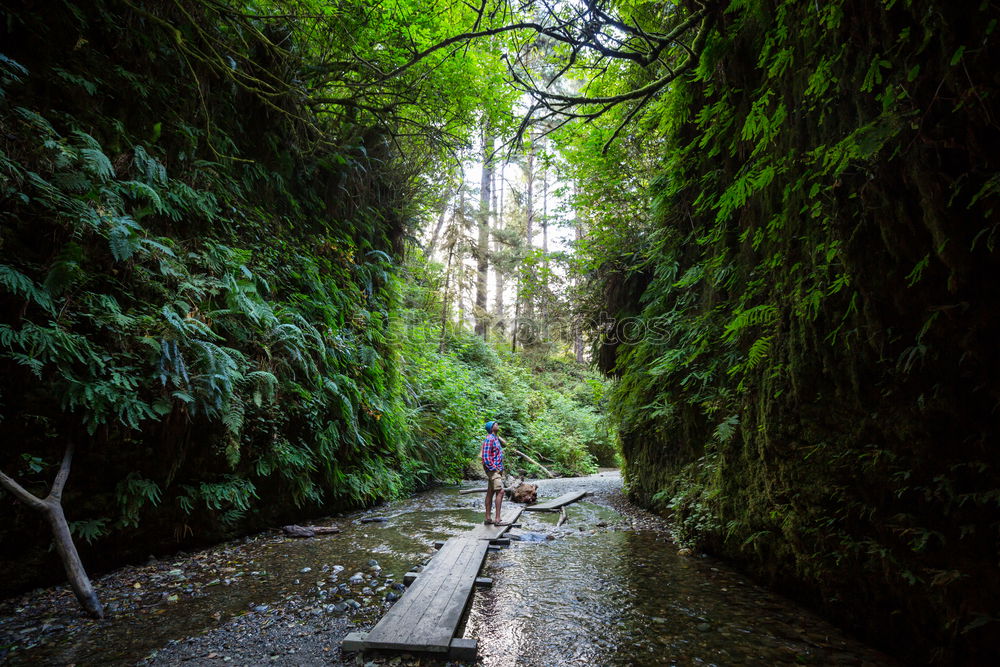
(603, 589)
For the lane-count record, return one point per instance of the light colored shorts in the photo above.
(494, 481)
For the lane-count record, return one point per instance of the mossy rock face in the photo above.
(823, 408)
(146, 196)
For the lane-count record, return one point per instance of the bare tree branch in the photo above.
(63, 474)
(21, 493)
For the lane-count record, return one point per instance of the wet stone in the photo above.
(632, 616)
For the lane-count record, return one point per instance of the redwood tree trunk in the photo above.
(483, 241)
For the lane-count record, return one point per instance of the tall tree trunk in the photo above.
(545, 245)
(577, 329)
(517, 314)
(460, 292)
(51, 509)
(498, 271)
(481, 311)
(429, 250)
(545, 217)
(446, 300)
(530, 232)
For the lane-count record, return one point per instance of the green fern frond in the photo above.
(758, 352)
(38, 122)
(152, 171)
(13, 70)
(726, 429)
(148, 245)
(94, 159)
(761, 315)
(23, 286)
(138, 189)
(123, 237)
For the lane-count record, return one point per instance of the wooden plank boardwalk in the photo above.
(555, 504)
(484, 532)
(427, 617)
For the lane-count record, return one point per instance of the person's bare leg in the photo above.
(498, 501)
(489, 498)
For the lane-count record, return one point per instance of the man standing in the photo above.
(493, 466)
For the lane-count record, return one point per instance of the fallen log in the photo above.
(521, 493)
(525, 456)
(553, 505)
(309, 531)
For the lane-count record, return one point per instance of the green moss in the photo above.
(817, 268)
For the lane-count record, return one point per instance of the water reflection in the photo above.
(591, 592)
(627, 598)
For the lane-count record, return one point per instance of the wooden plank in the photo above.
(428, 614)
(395, 627)
(447, 607)
(355, 641)
(463, 650)
(484, 532)
(564, 499)
(481, 582)
(391, 631)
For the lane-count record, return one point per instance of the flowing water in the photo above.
(603, 589)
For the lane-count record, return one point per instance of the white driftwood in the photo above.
(52, 509)
(309, 531)
(523, 455)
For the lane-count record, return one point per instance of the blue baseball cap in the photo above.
(489, 427)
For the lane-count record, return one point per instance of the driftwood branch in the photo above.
(562, 517)
(482, 490)
(51, 508)
(525, 456)
(60, 481)
(309, 531)
(21, 493)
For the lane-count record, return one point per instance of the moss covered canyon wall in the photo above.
(194, 284)
(823, 404)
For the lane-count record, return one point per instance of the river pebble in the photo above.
(244, 601)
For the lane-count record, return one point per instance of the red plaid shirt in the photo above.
(492, 453)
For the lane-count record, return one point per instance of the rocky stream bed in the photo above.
(607, 587)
